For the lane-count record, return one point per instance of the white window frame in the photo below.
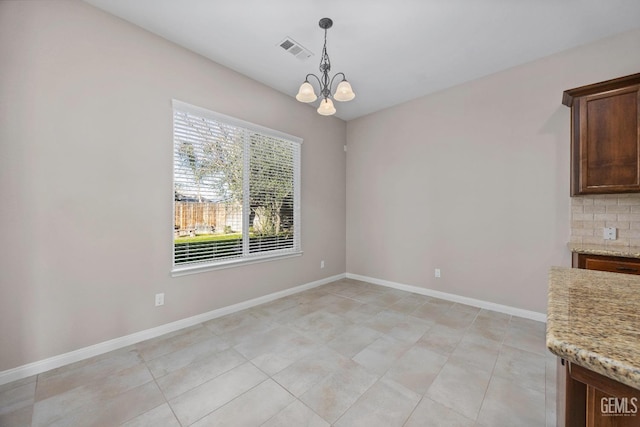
(246, 258)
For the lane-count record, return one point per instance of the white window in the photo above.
(236, 191)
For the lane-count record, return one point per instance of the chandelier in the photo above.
(343, 92)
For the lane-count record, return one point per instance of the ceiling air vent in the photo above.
(295, 48)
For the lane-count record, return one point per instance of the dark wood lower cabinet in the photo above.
(586, 398)
(612, 264)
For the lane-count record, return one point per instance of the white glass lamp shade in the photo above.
(344, 92)
(326, 107)
(306, 93)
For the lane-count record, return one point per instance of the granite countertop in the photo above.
(593, 320)
(622, 251)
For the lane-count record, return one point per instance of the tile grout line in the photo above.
(296, 398)
(484, 396)
(155, 380)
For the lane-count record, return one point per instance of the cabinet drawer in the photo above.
(609, 263)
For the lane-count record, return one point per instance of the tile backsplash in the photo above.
(591, 214)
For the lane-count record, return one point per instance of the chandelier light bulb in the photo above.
(306, 93)
(344, 92)
(326, 107)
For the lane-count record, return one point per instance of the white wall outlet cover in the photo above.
(610, 233)
(159, 299)
(437, 272)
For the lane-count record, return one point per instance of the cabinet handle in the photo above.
(627, 269)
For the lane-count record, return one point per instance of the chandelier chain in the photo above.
(325, 67)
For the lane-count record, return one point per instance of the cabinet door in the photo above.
(607, 142)
(599, 401)
(608, 403)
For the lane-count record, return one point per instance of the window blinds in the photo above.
(236, 190)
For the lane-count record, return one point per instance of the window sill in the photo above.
(200, 268)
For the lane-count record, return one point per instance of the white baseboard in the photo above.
(40, 366)
(114, 344)
(527, 314)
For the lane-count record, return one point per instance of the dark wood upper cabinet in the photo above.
(605, 136)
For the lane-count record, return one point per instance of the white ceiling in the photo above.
(390, 51)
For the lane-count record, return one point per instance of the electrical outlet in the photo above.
(159, 299)
(610, 233)
(322, 264)
(437, 272)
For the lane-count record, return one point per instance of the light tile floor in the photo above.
(346, 354)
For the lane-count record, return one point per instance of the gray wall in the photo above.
(474, 180)
(86, 180)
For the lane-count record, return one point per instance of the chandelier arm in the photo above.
(306, 79)
(333, 78)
